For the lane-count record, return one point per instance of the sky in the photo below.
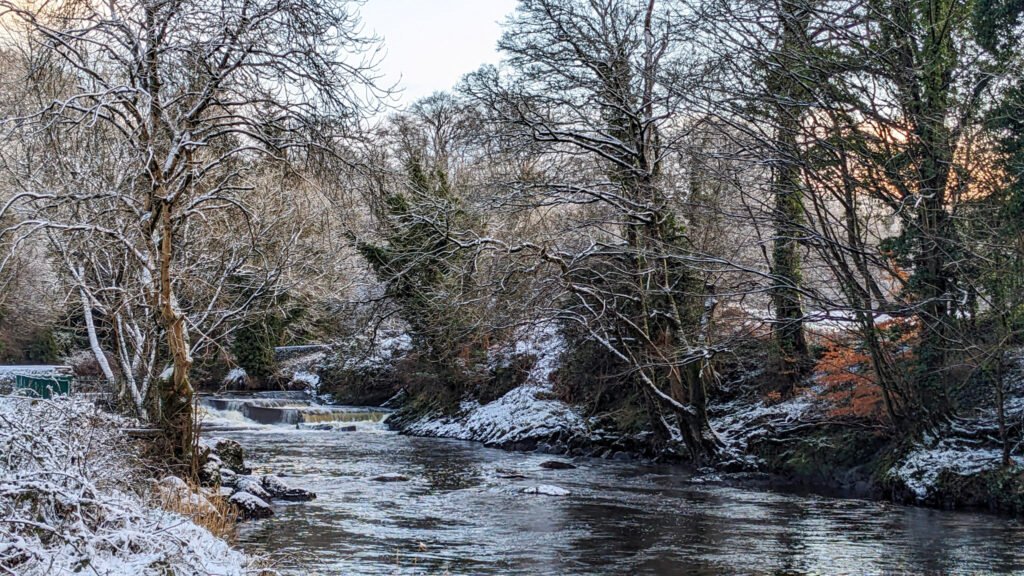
(431, 44)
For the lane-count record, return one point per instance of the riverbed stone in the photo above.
(252, 485)
(277, 488)
(232, 455)
(546, 490)
(250, 507)
(557, 465)
(509, 474)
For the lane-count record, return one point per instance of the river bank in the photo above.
(796, 442)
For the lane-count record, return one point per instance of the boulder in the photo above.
(250, 507)
(546, 490)
(253, 486)
(228, 477)
(557, 465)
(278, 489)
(390, 477)
(232, 455)
(209, 474)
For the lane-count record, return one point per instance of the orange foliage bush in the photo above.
(845, 371)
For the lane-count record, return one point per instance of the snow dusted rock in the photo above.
(236, 377)
(209, 474)
(251, 507)
(557, 465)
(232, 455)
(390, 477)
(278, 489)
(252, 485)
(519, 419)
(546, 490)
(228, 477)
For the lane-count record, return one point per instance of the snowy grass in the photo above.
(70, 501)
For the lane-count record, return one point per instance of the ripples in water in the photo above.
(459, 515)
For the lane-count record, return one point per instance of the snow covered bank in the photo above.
(70, 501)
(524, 416)
(743, 421)
(966, 448)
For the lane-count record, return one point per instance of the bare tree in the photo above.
(186, 93)
(584, 83)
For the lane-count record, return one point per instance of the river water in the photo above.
(460, 514)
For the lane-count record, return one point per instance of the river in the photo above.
(460, 514)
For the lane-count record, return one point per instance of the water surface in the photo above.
(458, 515)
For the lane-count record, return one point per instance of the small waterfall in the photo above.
(271, 411)
(309, 417)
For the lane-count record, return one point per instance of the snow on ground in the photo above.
(309, 381)
(959, 451)
(381, 351)
(523, 413)
(70, 501)
(741, 422)
(529, 411)
(920, 469)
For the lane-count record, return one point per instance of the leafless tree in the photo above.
(186, 94)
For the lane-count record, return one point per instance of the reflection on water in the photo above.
(458, 515)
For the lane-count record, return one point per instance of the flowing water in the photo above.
(459, 513)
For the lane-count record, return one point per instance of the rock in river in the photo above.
(250, 507)
(557, 465)
(253, 486)
(232, 455)
(278, 489)
(546, 490)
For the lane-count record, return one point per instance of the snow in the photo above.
(379, 352)
(920, 469)
(740, 422)
(7, 373)
(522, 413)
(308, 379)
(73, 500)
(965, 447)
(236, 376)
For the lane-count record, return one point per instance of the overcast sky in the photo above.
(430, 44)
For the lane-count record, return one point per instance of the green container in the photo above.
(44, 386)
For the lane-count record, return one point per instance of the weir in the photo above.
(291, 411)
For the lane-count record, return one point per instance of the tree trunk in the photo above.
(788, 215)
